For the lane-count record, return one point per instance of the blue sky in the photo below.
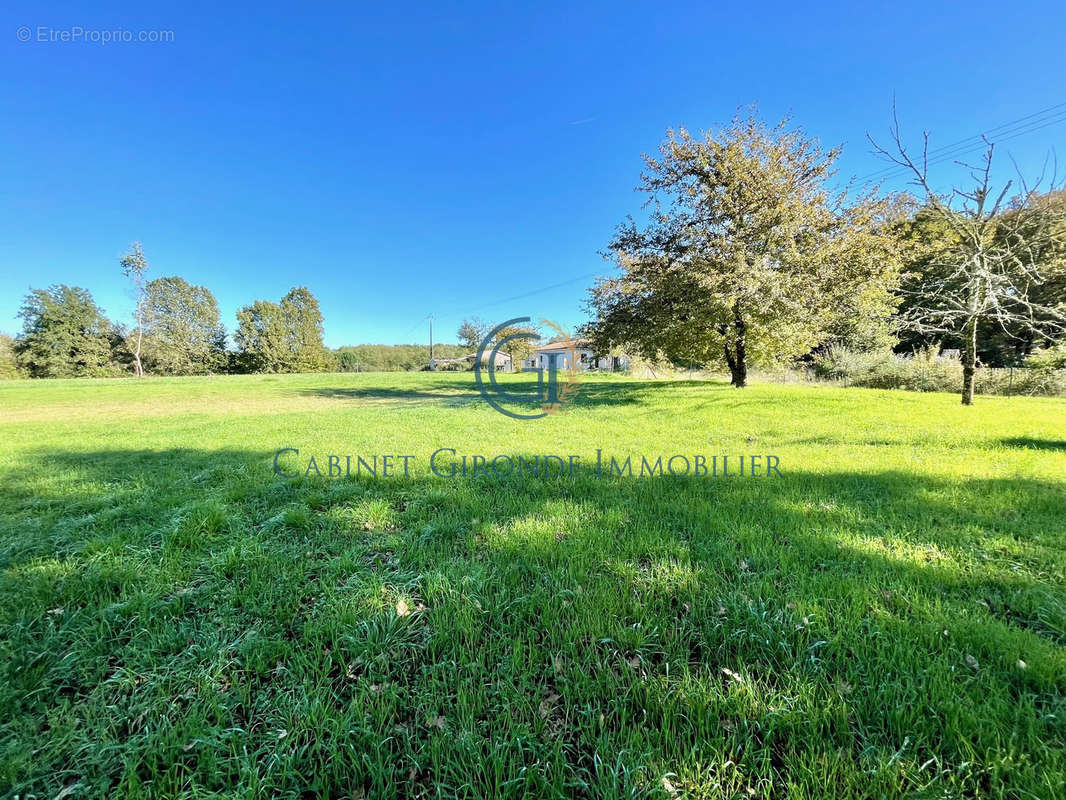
(408, 159)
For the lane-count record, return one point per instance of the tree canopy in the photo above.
(283, 337)
(747, 255)
(981, 267)
(183, 333)
(65, 334)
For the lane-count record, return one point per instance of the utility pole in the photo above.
(432, 366)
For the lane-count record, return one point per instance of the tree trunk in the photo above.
(739, 369)
(140, 334)
(969, 361)
(732, 362)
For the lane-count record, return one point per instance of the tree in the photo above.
(471, 332)
(303, 321)
(134, 266)
(285, 337)
(262, 337)
(64, 335)
(8, 365)
(521, 347)
(183, 333)
(747, 256)
(987, 272)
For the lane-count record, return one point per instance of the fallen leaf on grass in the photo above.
(436, 722)
(730, 674)
(547, 704)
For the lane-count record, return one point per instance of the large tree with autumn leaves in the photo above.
(747, 254)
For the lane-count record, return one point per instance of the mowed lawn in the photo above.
(886, 618)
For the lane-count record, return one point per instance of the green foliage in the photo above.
(520, 348)
(932, 251)
(65, 335)
(285, 337)
(1048, 366)
(393, 357)
(747, 256)
(8, 363)
(183, 333)
(471, 332)
(303, 321)
(926, 371)
(1049, 359)
(262, 337)
(923, 371)
(134, 265)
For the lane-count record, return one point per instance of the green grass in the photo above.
(886, 619)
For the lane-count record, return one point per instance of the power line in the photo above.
(982, 146)
(976, 139)
(521, 296)
(1000, 133)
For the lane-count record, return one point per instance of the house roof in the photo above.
(573, 344)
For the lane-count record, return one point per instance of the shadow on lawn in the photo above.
(809, 514)
(447, 395)
(804, 583)
(590, 394)
(1029, 443)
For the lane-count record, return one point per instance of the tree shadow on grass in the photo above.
(463, 390)
(447, 395)
(656, 624)
(1029, 443)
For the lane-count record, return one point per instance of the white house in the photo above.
(581, 348)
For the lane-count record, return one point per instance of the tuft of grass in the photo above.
(886, 619)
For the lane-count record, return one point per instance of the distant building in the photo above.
(502, 360)
(579, 348)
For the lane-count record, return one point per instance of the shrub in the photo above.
(1047, 370)
(924, 371)
(927, 371)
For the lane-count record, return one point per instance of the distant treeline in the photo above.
(177, 330)
(392, 357)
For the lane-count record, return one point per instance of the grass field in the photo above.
(886, 618)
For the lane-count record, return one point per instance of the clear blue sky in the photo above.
(407, 159)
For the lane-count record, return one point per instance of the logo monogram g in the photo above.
(550, 395)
